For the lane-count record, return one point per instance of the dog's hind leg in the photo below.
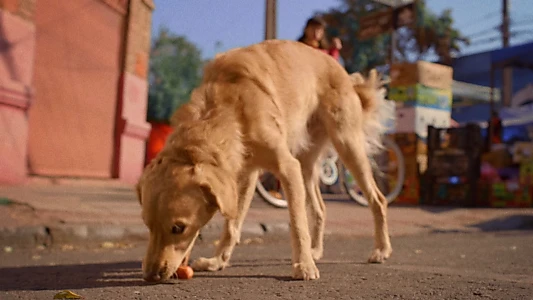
(232, 228)
(314, 201)
(344, 124)
(350, 146)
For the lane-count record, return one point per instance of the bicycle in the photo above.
(273, 194)
(332, 171)
(391, 161)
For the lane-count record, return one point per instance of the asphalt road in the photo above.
(496, 265)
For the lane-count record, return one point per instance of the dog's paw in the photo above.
(305, 271)
(208, 264)
(317, 253)
(379, 256)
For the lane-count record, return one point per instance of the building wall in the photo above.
(17, 43)
(82, 65)
(77, 72)
(131, 135)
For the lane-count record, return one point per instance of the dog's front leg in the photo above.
(232, 228)
(293, 185)
(224, 250)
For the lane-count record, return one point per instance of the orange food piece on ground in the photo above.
(185, 272)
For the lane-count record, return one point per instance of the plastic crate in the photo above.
(454, 165)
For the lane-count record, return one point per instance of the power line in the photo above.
(522, 22)
(486, 40)
(482, 19)
(514, 33)
(483, 32)
(498, 28)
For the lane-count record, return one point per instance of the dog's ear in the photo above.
(218, 188)
(374, 79)
(357, 78)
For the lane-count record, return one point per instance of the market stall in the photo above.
(507, 166)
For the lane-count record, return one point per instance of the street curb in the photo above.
(60, 234)
(52, 235)
(33, 236)
(27, 236)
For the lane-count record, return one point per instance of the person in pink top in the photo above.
(314, 36)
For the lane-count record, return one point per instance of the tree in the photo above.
(433, 34)
(175, 70)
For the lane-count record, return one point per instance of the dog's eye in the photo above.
(178, 229)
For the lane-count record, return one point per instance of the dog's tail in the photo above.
(377, 111)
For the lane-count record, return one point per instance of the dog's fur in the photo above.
(274, 106)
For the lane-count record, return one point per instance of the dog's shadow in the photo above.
(124, 274)
(71, 276)
(218, 275)
(240, 265)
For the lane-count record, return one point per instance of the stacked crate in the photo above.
(454, 164)
(515, 192)
(507, 179)
(423, 95)
(412, 147)
(509, 194)
(423, 92)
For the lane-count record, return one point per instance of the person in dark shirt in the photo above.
(314, 36)
(495, 128)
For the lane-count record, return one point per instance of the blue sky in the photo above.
(236, 23)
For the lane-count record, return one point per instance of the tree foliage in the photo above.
(433, 34)
(175, 70)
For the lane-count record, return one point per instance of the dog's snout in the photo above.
(152, 277)
(157, 273)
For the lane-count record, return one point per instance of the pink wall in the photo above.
(17, 42)
(87, 116)
(77, 72)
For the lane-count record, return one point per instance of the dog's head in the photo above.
(177, 201)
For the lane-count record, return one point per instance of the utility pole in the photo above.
(505, 23)
(270, 20)
(392, 49)
(508, 71)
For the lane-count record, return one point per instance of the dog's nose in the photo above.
(152, 277)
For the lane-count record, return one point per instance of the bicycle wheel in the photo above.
(391, 177)
(329, 173)
(270, 190)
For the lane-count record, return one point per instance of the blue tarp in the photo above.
(476, 69)
(515, 120)
(518, 56)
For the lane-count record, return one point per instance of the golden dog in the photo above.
(274, 106)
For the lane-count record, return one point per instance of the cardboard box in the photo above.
(497, 158)
(416, 119)
(410, 194)
(390, 162)
(407, 142)
(411, 166)
(421, 95)
(429, 74)
(414, 151)
(522, 152)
